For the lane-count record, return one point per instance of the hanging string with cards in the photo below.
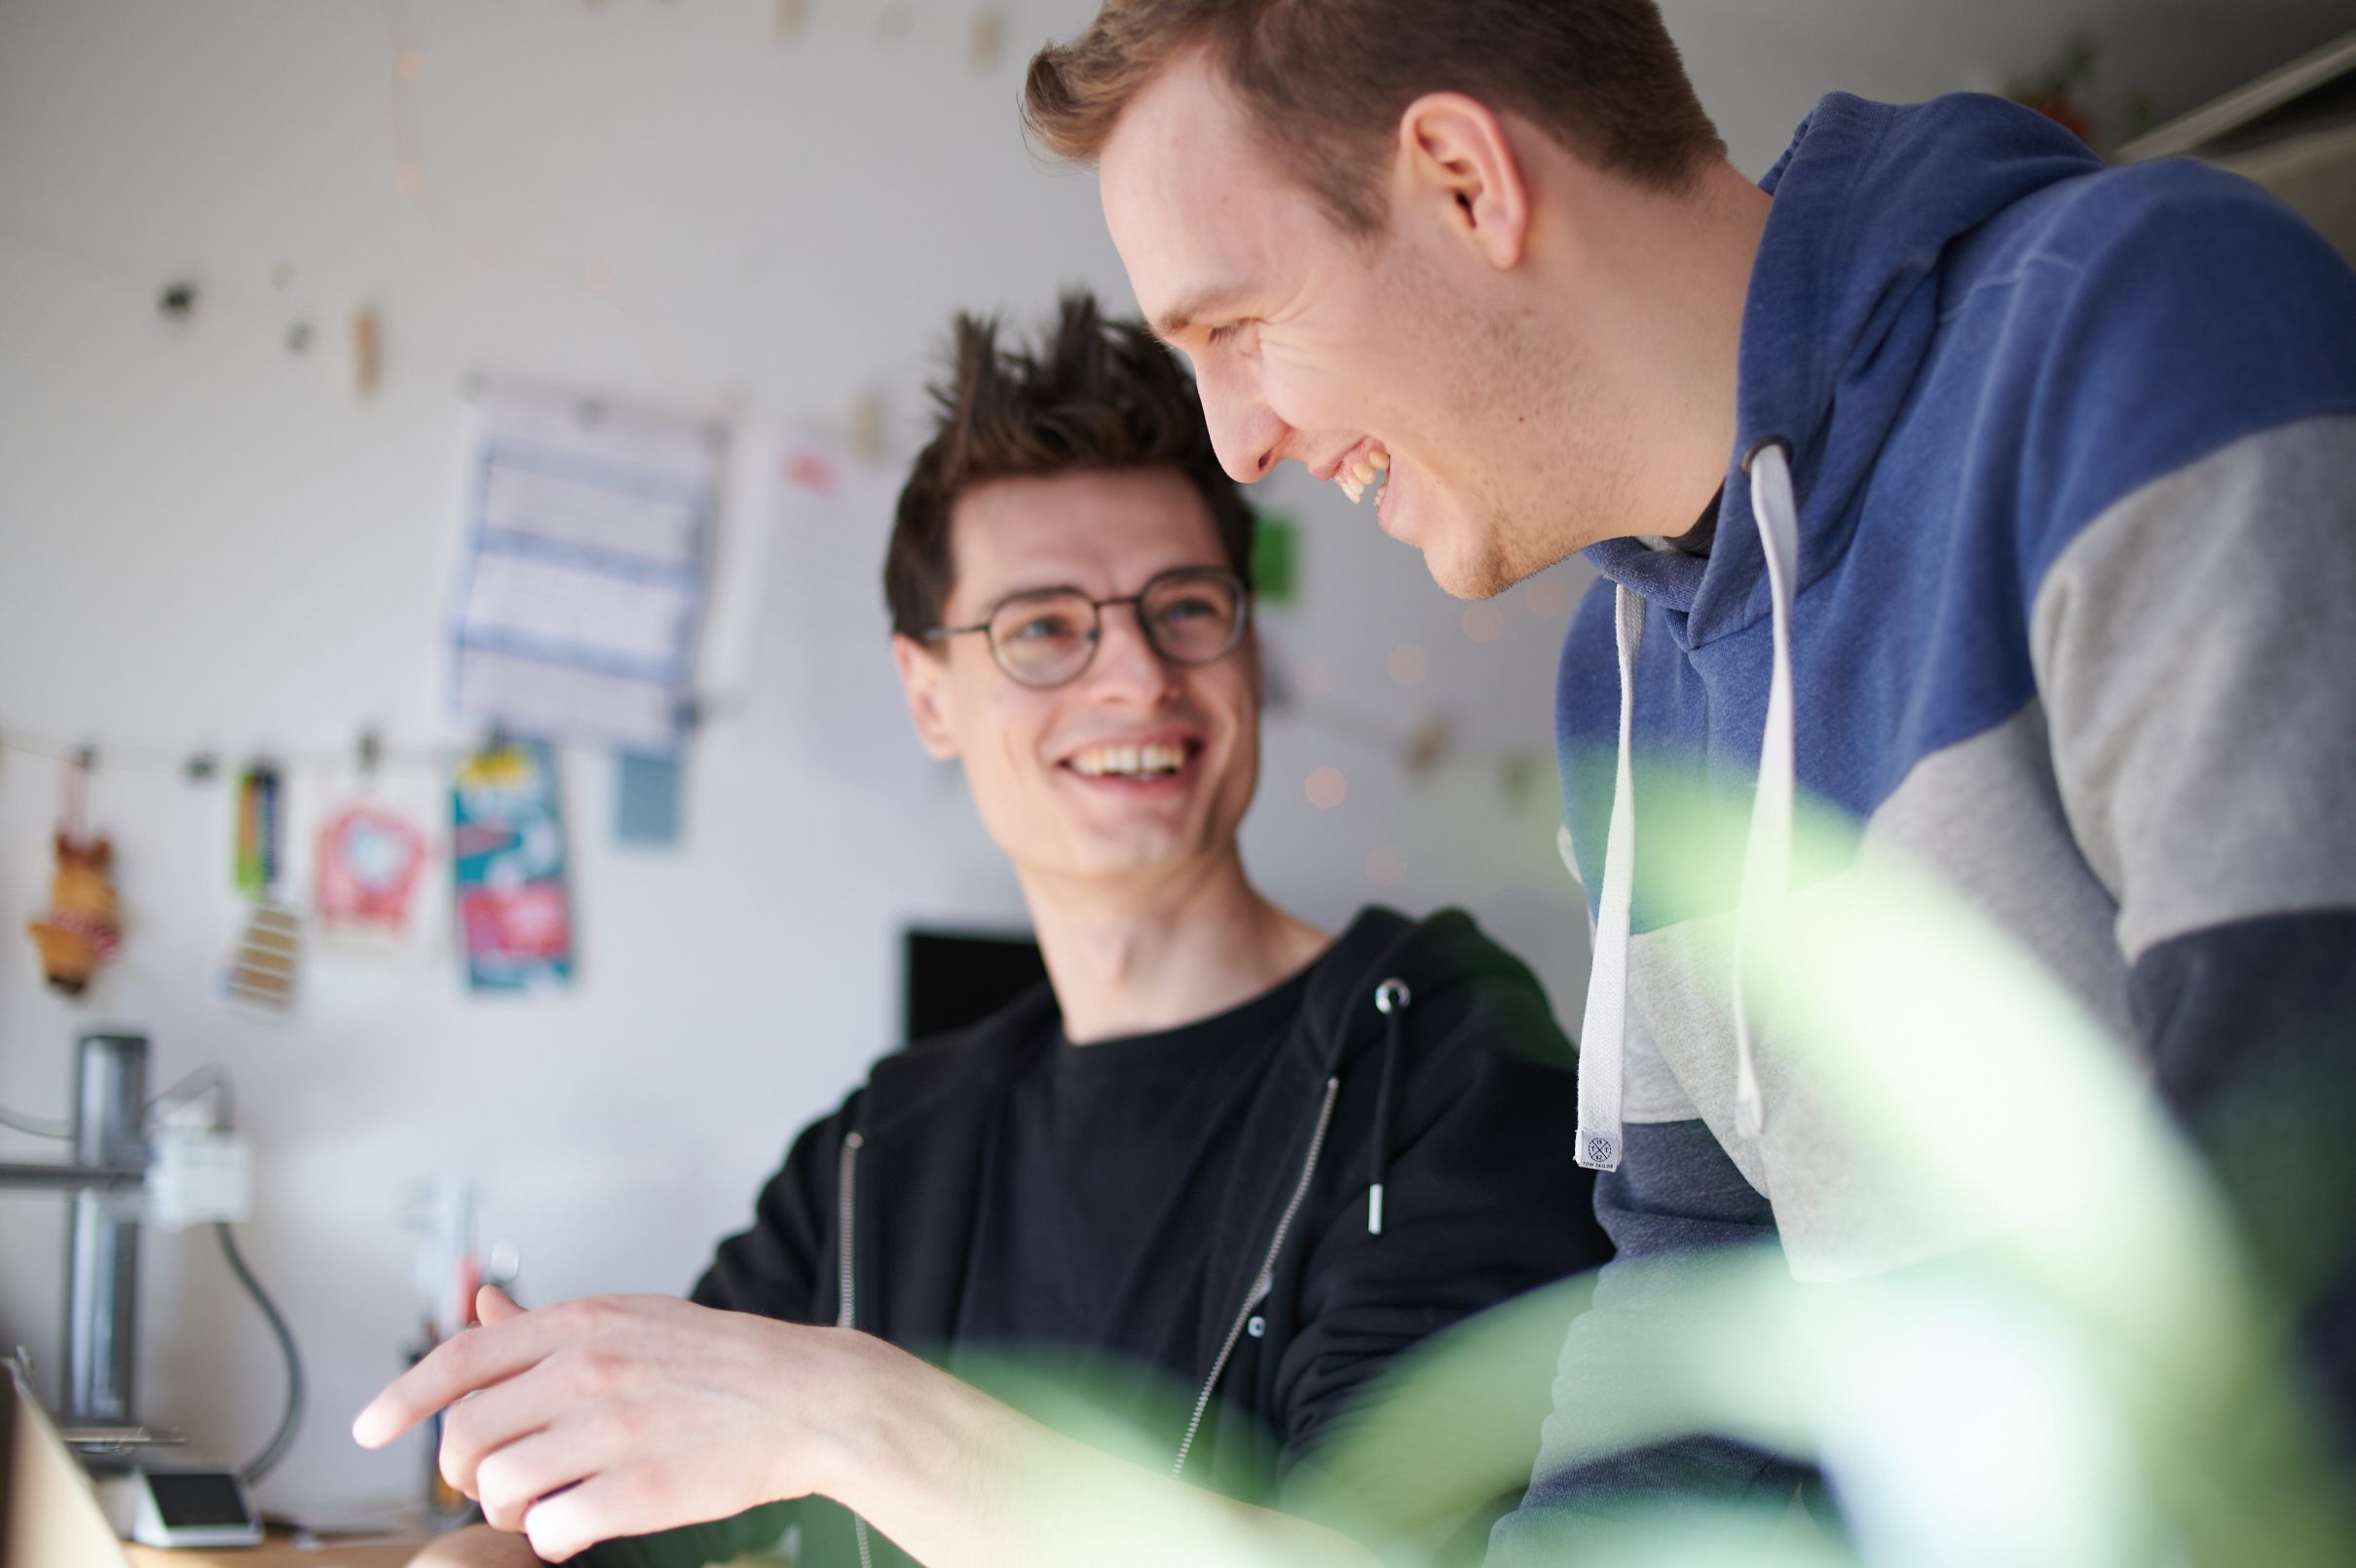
(367, 865)
(201, 765)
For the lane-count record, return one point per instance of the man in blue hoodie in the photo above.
(2004, 501)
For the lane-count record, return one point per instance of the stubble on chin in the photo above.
(1554, 485)
(1474, 568)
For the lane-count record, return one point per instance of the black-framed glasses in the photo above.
(1045, 637)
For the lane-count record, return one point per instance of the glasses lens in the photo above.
(1043, 639)
(1193, 618)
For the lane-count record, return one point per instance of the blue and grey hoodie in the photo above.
(2061, 463)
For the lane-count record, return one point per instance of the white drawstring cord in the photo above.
(1603, 1031)
(1767, 850)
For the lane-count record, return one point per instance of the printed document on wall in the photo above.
(585, 568)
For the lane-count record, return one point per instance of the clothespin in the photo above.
(866, 423)
(985, 39)
(364, 352)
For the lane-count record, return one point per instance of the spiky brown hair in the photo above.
(1094, 394)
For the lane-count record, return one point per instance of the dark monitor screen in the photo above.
(957, 977)
(194, 1499)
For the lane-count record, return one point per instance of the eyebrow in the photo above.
(1213, 300)
(1044, 589)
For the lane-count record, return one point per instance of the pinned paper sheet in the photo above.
(261, 970)
(507, 867)
(820, 672)
(585, 568)
(646, 800)
(366, 868)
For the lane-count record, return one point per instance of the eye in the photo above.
(1192, 606)
(1040, 626)
(1229, 334)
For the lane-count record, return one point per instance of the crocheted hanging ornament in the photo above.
(79, 930)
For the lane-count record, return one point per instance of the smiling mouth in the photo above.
(1153, 760)
(1362, 468)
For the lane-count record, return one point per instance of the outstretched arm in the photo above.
(624, 1415)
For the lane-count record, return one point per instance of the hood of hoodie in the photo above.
(1843, 303)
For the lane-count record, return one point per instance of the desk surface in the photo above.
(279, 1551)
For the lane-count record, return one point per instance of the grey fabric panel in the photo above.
(1985, 818)
(2196, 649)
(1668, 994)
(1649, 1091)
(1837, 1217)
(1681, 1031)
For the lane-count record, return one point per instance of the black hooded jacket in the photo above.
(1456, 1097)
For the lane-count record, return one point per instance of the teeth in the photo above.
(1132, 762)
(1359, 477)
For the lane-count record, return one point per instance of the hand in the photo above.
(620, 1415)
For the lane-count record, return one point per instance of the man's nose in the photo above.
(1244, 431)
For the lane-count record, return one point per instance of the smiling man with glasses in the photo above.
(1210, 1180)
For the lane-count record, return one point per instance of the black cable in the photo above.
(281, 1440)
(36, 1128)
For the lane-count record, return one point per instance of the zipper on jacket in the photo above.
(1266, 1280)
(846, 1171)
(847, 1299)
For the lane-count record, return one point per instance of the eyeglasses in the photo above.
(1190, 615)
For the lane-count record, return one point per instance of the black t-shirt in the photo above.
(1101, 1182)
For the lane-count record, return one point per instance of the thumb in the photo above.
(494, 1305)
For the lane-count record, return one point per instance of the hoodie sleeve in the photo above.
(2189, 538)
(772, 1268)
(1484, 1200)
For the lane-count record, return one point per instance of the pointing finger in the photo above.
(472, 1361)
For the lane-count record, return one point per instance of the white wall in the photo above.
(205, 539)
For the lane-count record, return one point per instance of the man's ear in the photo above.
(1455, 157)
(924, 678)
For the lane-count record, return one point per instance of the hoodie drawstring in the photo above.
(1603, 1031)
(1766, 849)
(1391, 999)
